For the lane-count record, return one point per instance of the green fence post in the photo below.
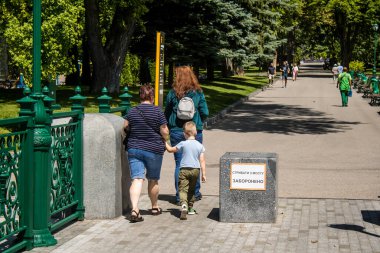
(26, 174)
(104, 102)
(77, 105)
(26, 103)
(41, 145)
(48, 102)
(125, 101)
(43, 174)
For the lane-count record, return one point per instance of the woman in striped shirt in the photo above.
(148, 129)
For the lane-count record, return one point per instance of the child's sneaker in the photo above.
(183, 212)
(191, 211)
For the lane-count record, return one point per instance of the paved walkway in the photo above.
(329, 181)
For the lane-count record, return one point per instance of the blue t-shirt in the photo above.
(285, 70)
(340, 69)
(145, 134)
(271, 70)
(191, 150)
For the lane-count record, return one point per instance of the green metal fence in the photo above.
(66, 198)
(41, 165)
(14, 171)
(41, 168)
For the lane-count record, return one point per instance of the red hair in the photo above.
(185, 81)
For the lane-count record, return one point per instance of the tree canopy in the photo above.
(62, 26)
(205, 33)
(339, 29)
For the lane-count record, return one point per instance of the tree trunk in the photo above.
(347, 34)
(196, 69)
(86, 67)
(144, 74)
(228, 68)
(171, 74)
(275, 61)
(108, 59)
(210, 70)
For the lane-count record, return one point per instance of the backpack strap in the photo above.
(142, 115)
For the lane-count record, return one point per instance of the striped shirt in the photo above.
(145, 133)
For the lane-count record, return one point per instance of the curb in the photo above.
(220, 115)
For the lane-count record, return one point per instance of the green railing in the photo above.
(104, 102)
(41, 168)
(14, 172)
(66, 202)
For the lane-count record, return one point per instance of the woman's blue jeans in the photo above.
(175, 138)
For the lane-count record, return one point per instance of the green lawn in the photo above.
(225, 91)
(219, 93)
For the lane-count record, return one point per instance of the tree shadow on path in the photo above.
(281, 119)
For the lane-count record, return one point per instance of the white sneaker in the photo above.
(183, 212)
(191, 211)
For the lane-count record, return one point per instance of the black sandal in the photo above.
(137, 217)
(156, 211)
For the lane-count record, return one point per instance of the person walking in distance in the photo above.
(295, 72)
(185, 85)
(271, 73)
(285, 72)
(340, 69)
(344, 84)
(192, 161)
(334, 71)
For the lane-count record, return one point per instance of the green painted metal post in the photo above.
(48, 102)
(41, 145)
(37, 46)
(125, 101)
(77, 105)
(375, 28)
(104, 102)
(26, 174)
(43, 173)
(26, 103)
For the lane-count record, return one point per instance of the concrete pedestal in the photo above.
(248, 187)
(106, 177)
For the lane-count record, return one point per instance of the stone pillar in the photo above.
(106, 177)
(248, 187)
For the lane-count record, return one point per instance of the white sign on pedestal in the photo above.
(248, 176)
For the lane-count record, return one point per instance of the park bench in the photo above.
(358, 80)
(375, 96)
(365, 87)
(375, 99)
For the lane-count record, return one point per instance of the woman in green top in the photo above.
(344, 85)
(185, 85)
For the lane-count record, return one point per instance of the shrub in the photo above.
(131, 69)
(357, 66)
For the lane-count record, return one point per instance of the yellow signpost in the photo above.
(160, 69)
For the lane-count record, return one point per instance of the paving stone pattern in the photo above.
(303, 225)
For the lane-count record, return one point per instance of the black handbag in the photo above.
(127, 132)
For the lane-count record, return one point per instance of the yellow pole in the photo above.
(157, 79)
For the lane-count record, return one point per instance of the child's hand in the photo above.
(203, 178)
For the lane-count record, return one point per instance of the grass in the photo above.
(219, 93)
(9, 108)
(222, 92)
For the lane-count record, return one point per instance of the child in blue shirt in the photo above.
(193, 160)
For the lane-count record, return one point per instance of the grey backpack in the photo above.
(185, 109)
